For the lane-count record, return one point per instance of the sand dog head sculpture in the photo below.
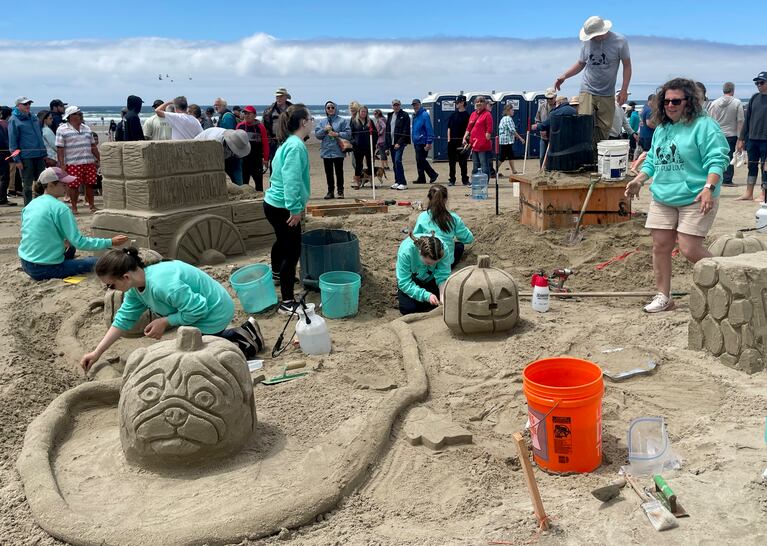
(481, 299)
(185, 401)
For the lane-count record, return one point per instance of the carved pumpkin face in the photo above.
(185, 401)
(481, 299)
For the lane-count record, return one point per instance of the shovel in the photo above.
(609, 491)
(575, 236)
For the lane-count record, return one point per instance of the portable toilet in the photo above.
(535, 100)
(440, 107)
(521, 116)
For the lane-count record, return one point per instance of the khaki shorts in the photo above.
(688, 219)
(603, 110)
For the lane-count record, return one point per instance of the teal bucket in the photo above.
(340, 293)
(254, 287)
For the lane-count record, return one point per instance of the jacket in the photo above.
(401, 129)
(422, 131)
(361, 135)
(271, 115)
(329, 147)
(3, 137)
(728, 112)
(25, 134)
(132, 123)
(755, 123)
(289, 185)
(563, 109)
(227, 120)
(480, 123)
(259, 141)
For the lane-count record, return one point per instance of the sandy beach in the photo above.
(469, 494)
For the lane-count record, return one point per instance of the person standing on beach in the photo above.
(601, 54)
(226, 119)
(46, 120)
(507, 134)
(184, 126)
(380, 144)
(57, 114)
(207, 119)
(272, 114)
(364, 135)
(156, 128)
(753, 136)
(646, 124)
(253, 163)
(541, 115)
(478, 135)
(78, 155)
(456, 127)
(423, 136)
(328, 130)
(132, 130)
(286, 198)
(25, 134)
(397, 139)
(5, 170)
(727, 111)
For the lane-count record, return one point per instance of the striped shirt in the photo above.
(506, 131)
(76, 144)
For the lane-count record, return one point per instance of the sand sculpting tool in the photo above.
(575, 236)
(284, 377)
(640, 370)
(610, 491)
(532, 485)
(660, 517)
(667, 497)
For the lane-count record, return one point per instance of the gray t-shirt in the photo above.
(602, 60)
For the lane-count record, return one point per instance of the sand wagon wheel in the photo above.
(205, 233)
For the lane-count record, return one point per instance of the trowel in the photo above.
(609, 491)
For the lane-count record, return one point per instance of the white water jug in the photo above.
(761, 219)
(312, 332)
(540, 286)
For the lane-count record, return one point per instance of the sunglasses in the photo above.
(675, 102)
(330, 108)
(760, 83)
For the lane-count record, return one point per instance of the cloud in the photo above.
(94, 72)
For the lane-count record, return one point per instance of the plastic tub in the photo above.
(612, 159)
(340, 294)
(564, 401)
(324, 250)
(254, 287)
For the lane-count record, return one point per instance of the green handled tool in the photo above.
(666, 495)
(284, 377)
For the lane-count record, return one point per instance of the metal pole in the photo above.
(527, 146)
(497, 168)
(372, 160)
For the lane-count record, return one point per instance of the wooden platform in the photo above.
(343, 209)
(553, 206)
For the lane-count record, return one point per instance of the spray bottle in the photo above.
(540, 284)
(312, 331)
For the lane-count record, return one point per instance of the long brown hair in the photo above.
(429, 246)
(692, 104)
(437, 207)
(290, 121)
(119, 261)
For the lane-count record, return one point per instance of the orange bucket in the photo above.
(564, 404)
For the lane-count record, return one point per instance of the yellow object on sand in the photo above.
(76, 279)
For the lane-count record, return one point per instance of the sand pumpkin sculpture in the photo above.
(185, 401)
(735, 245)
(481, 299)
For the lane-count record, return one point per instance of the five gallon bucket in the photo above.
(340, 293)
(254, 287)
(564, 401)
(613, 158)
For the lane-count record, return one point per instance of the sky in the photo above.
(244, 49)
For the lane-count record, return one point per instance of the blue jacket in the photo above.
(329, 147)
(25, 134)
(422, 131)
(561, 110)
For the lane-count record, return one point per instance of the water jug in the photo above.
(479, 185)
(540, 286)
(312, 332)
(761, 219)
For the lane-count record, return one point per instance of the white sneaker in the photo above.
(659, 303)
(394, 186)
(401, 187)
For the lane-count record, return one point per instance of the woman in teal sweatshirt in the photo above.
(421, 273)
(686, 160)
(286, 198)
(445, 224)
(179, 293)
(47, 225)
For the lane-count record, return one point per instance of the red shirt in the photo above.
(254, 136)
(480, 123)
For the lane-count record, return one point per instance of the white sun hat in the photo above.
(595, 26)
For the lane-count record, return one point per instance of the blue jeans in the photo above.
(757, 155)
(544, 144)
(67, 268)
(233, 168)
(399, 169)
(481, 162)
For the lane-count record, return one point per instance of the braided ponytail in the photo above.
(429, 246)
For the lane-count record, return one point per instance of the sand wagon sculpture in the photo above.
(481, 299)
(171, 197)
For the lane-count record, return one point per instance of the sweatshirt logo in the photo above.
(668, 158)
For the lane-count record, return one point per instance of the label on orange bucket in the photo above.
(538, 434)
(563, 437)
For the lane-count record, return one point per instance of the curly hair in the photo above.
(693, 103)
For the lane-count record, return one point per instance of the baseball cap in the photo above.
(57, 102)
(251, 109)
(550, 93)
(415, 101)
(23, 100)
(761, 76)
(396, 101)
(157, 103)
(55, 174)
(282, 91)
(71, 110)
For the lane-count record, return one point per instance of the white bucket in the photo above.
(613, 158)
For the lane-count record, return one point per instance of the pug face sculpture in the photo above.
(185, 402)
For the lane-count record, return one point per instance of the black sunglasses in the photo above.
(760, 83)
(330, 108)
(675, 102)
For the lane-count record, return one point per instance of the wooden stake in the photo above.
(532, 486)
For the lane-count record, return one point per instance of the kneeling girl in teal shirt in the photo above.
(180, 293)
(421, 274)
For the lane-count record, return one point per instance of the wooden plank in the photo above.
(340, 206)
(532, 486)
(366, 209)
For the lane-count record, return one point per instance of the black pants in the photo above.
(5, 176)
(234, 335)
(730, 170)
(457, 253)
(252, 167)
(358, 157)
(334, 164)
(408, 306)
(454, 155)
(423, 166)
(286, 250)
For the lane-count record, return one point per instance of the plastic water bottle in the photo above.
(540, 286)
(312, 332)
(761, 219)
(479, 185)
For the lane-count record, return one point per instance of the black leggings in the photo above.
(286, 250)
(252, 167)
(358, 157)
(408, 305)
(334, 164)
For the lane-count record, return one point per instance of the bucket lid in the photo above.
(539, 280)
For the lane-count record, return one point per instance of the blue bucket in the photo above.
(340, 293)
(254, 287)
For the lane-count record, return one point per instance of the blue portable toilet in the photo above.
(440, 107)
(535, 100)
(521, 116)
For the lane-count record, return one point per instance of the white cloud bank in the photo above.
(247, 71)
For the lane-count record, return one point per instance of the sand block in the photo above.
(113, 191)
(185, 401)
(433, 430)
(161, 158)
(172, 192)
(728, 305)
(111, 159)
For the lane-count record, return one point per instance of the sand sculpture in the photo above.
(185, 401)
(734, 245)
(171, 197)
(728, 304)
(424, 427)
(481, 299)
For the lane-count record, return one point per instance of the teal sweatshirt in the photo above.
(45, 223)
(409, 263)
(289, 184)
(425, 224)
(680, 158)
(183, 294)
